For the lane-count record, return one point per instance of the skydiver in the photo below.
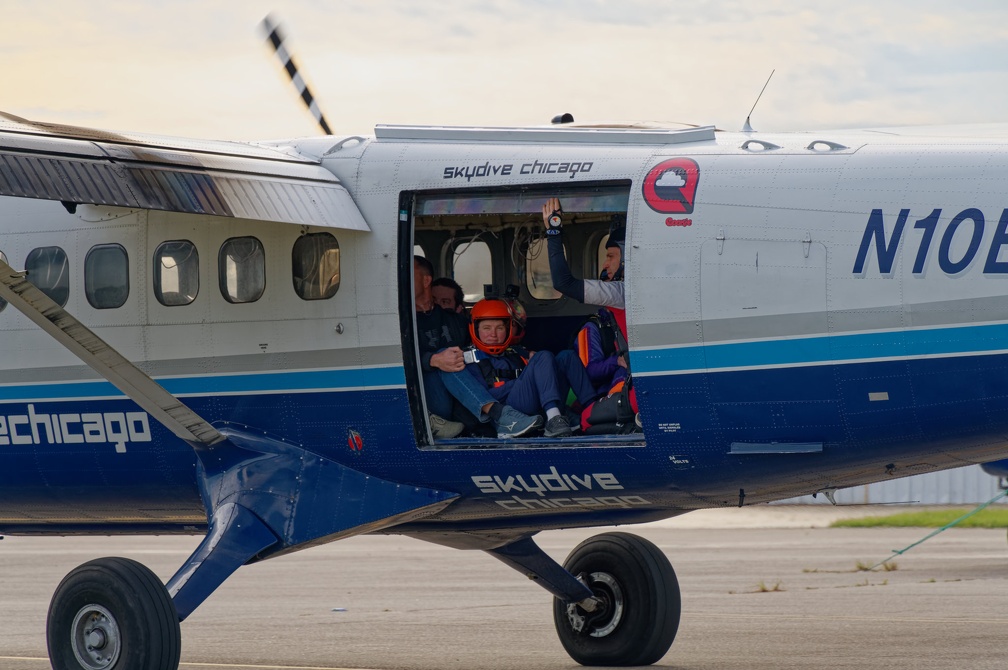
(606, 291)
(448, 294)
(440, 336)
(528, 381)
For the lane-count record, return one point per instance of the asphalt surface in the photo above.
(757, 596)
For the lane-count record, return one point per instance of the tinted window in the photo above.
(241, 269)
(176, 273)
(315, 266)
(106, 276)
(472, 268)
(49, 270)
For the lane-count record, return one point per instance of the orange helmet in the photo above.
(513, 317)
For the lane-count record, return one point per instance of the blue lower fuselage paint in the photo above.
(880, 403)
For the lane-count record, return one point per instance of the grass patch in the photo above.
(986, 518)
(763, 588)
(888, 566)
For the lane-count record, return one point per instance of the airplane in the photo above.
(218, 338)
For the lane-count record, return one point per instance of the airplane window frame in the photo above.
(58, 292)
(600, 255)
(305, 285)
(545, 292)
(3, 303)
(90, 292)
(470, 297)
(191, 270)
(257, 274)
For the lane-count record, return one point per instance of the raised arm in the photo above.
(590, 291)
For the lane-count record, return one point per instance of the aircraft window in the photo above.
(538, 278)
(601, 254)
(176, 273)
(3, 303)
(106, 276)
(241, 269)
(49, 270)
(472, 268)
(315, 265)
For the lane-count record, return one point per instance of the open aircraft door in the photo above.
(506, 224)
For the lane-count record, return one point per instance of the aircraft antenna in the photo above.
(275, 38)
(746, 128)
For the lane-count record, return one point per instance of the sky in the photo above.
(201, 69)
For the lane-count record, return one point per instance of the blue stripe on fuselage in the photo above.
(347, 379)
(824, 350)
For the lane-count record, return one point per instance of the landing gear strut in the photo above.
(113, 614)
(634, 614)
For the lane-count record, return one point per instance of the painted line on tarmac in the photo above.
(839, 617)
(247, 666)
(34, 659)
(24, 658)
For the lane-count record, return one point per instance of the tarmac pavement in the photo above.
(762, 587)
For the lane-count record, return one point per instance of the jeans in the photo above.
(468, 391)
(440, 387)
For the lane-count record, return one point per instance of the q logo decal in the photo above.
(670, 187)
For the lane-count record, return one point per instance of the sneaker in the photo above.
(573, 420)
(444, 429)
(557, 427)
(513, 423)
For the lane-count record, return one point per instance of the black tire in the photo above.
(113, 614)
(641, 604)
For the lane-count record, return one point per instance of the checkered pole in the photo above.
(274, 37)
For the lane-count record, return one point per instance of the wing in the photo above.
(83, 166)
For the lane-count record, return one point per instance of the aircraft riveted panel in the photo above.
(764, 307)
(744, 280)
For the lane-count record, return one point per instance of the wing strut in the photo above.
(263, 496)
(109, 363)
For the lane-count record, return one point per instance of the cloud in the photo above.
(150, 66)
(670, 178)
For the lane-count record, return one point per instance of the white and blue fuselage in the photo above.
(805, 312)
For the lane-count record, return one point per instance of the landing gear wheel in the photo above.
(113, 614)
(637, 615)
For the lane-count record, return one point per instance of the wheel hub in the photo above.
(95, 638)
(608, 612)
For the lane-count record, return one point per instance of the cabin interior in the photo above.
(490, 239)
